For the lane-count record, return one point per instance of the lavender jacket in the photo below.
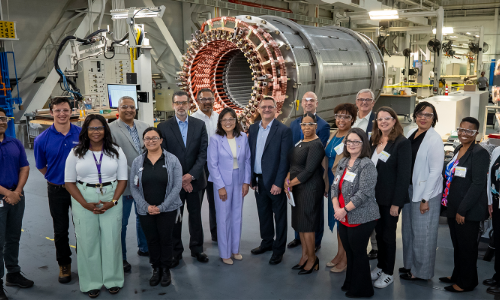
(220, 161)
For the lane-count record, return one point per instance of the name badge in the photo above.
(98, 191)
(384, 156)
(349, 176)
(298, 143)
(337, 179)
(339, 149)
(460, 171)
(369, 135)
(1, 203)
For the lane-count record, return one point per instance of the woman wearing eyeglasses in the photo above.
(465, 197)
(353, 198)
(345, 116)
(420, 217)
(305, 181)
(96, 176)
(228, 161)
(155, 183)
(391, 154)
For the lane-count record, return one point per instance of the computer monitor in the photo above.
(116, 91)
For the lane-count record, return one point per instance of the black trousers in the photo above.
(59, 205)
(193, 202)
(211, 205)
(158, 231)
(386, 239)
(272, 209)
(464, 239)
(496, 238)
(358, 280)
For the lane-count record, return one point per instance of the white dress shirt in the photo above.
(210, 122)
(362, 123)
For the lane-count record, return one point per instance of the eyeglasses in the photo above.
(343, 117)
(309, 99)
(353, 143)
(307, 124)
(226, 121)
(466, 131)
(125, 107)
(206, 99)
(62, 111)
(96, 129)
(267, 107)
(5, 119)
(152, 139)
(181, 103)
(387, 119)
(425, 115)
(366, 100)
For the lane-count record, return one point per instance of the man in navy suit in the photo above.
(270, 142)
(310, 104)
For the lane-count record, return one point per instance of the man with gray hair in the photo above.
(127, 133)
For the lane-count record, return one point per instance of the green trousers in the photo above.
(99, 248)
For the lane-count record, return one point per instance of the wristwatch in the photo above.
(345, 208)
(424, 201)
(115, 202)
(192, 177)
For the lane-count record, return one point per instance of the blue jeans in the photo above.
(141, 238)
(11, 220)
(319, 233)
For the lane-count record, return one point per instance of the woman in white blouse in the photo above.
(96, 176)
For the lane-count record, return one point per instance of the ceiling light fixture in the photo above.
(446, 30)
(384, 14)
(138, 12)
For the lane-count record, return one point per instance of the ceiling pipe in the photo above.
(261, 6)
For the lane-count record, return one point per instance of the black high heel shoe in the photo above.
(299, 267)
(315, 267)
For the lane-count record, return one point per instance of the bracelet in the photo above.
(115, 202)
(345, 208)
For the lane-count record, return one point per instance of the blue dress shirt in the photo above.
(183, 127)
(259, 148)
(12, 159)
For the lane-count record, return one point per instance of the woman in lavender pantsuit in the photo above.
(228, 161)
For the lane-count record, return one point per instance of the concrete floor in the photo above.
(252, 278)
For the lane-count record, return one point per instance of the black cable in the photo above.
(104, 52)
(95, 33)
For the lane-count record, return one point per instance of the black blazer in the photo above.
(193, 156)
(394, 175)
(370, 123)
(275, 157)
(467, 196)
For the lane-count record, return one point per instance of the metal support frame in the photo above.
(143, 67)
(437, 55)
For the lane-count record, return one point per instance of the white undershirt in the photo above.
(232, 145)
(375, 156)
(85, 169)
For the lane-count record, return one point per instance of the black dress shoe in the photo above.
(126, 266)
(344, 289)
(140, 253)
(315, 267)
(214, 239)
(260, 250)
(293, 243)
(408, 276)
(317, 248)
(114, 290)
(299, 267)
(450, 288)
(201, 257)
(490, 282)
(17, 279)
(403, 270)
(493, 290)
(94, 293)
(373, 254)
(446, 280)
(175, 263)
(166, 278)
(275, 259)
(155, 279)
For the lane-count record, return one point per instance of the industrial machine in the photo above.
(242, 59)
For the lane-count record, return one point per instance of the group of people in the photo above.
(368, 170)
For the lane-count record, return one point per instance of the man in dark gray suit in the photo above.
(186, 137)
(127, 133)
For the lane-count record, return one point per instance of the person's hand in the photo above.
(91, 206)
(105, 206)
(245, 189)
(186, 178)
(490, 210)
(340, 214)
(394, 210)
(153, 210)
(12, 197)
(188, 187)
(286, 184)
(276, 190)
(253, 187)
(424, 207)
(223, 194)
(460, 219)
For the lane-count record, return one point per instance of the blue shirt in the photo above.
(12, 159)
(259, 148)
(183, 127)
(135, 136)
(51, 150)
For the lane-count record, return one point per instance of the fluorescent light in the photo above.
(453, 36)
(446, 30)
(383, 14)
(468, 32)
(477, 35)
(138, 12)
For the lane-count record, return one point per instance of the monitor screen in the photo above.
(116, 91)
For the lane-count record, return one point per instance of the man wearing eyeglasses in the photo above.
(210, 117)
(15, 170)
(51, 149)
(309, 104)
(365, 100)
(186, 137)
(127, 133)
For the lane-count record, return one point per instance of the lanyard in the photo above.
(98, 165)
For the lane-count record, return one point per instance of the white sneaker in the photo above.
(383, 281)
(376, 273)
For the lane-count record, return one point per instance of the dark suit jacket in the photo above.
(323, 130)
(394, 175)
(275, 157)
(467, 196)
(193, 156)
(370, 123)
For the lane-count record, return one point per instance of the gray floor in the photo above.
(252, 278)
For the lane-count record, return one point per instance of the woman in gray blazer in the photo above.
(353, 199)
(155, 183)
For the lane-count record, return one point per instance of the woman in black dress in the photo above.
(306, 178)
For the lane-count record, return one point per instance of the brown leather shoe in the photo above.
(65, 274)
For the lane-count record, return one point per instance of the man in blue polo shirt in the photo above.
(13, 176)
(52, 147)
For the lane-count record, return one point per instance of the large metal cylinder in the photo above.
(241, 59)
